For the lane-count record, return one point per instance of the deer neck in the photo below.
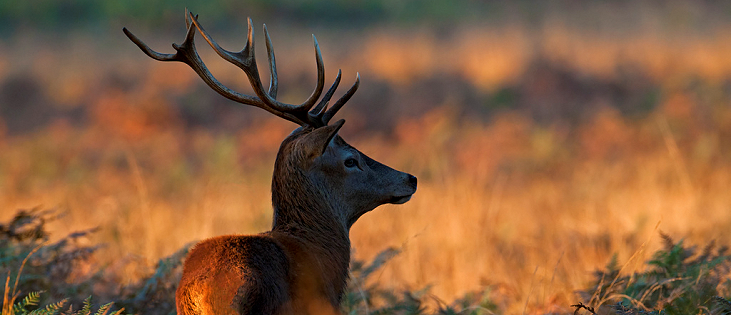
(303, 204)
(314, 224)
(307, 215)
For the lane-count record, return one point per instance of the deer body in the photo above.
(320, 187)
(270, 273)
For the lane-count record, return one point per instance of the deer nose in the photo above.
(412, 180)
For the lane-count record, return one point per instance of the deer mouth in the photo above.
(400, 199)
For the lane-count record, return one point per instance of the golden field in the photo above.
(508, 199)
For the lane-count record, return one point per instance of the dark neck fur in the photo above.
(305, 211)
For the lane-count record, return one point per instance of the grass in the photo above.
(27, 229)
(679, 279)
(542, 151)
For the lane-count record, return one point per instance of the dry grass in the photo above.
(527, 209)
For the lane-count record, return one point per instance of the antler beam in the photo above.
(302, 114)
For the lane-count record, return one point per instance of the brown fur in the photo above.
(301, 265)
(320, 187)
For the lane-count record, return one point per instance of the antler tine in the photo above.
(187, 18)
(186, 53)
(156, 55)
(343, 99)
(243, 59)
(315, 115)
(272, 65)
(320, 78)
(146, 49)
(246, 61)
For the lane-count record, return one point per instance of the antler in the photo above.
(302, 114)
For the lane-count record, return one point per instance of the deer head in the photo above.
(319, 180)
(336, 177)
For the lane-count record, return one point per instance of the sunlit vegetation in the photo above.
(553, 149)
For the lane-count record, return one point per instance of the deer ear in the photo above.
(321, 137)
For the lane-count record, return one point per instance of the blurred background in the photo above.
(546, 135)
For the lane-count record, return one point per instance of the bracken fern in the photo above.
(374, 299)
(680, 280)
(31, 300)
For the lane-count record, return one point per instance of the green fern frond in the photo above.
(104, 309)
(119, 312)
(86, 309)
(50, 309)
(31, 299)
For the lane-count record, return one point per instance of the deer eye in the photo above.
(351, 162)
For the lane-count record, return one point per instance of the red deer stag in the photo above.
(320, 187)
